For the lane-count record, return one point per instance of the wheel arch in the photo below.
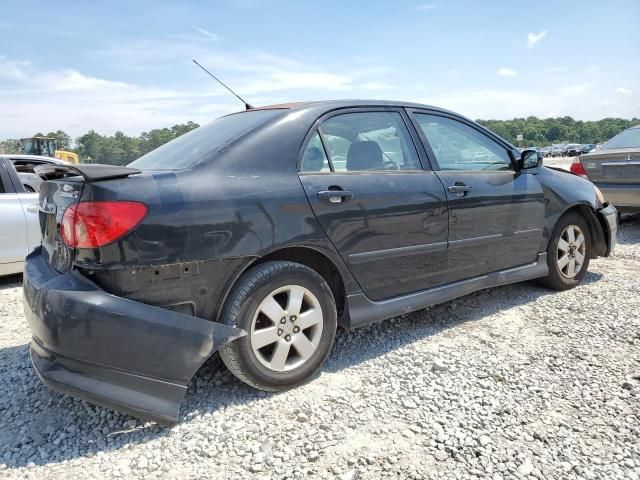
(596, 232)
(312, 258)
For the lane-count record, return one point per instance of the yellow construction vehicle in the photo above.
(46, 147)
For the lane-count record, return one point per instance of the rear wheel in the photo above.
(568, 252)
(289, 314)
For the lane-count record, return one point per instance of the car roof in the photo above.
(335, 104)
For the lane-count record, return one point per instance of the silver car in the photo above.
(615, 169)
(19, 224)
(25, 164)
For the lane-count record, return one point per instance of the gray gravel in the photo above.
(512, 382)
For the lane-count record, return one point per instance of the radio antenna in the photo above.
(247, 106)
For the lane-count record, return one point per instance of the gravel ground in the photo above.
(509, 382)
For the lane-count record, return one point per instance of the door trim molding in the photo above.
(357, 258)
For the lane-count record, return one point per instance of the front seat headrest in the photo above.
(364, 155)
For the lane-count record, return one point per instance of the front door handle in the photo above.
(334, 196)
(459, 188)
(33, 208)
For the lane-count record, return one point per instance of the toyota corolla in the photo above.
(260, 233)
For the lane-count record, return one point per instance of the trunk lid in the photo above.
(617, 166)
(64, 187)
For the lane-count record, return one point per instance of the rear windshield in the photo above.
(629, 138)
(203, 142)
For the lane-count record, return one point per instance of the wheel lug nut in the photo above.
(293, 318)
(296, 329)
(280, 331)
(283, 320)
(287, 338)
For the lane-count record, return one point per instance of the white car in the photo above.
(25, 165)
(19, 223)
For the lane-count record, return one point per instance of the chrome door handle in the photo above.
(460, 189)
(334, 196)
(33, 208)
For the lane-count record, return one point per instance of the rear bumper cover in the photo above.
(112, 351)
(608, 217)
(626, 197)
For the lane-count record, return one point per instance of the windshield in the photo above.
(629, 138)
(203, 142)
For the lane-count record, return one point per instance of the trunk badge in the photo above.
(628, 158)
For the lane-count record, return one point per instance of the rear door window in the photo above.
(365, 141)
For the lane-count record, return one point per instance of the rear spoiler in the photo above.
(94, 172)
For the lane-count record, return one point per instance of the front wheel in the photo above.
(289, 314)
(568, 252)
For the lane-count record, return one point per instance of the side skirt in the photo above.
(363, 311)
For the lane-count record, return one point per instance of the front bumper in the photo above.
(112, 351)
(608, 217)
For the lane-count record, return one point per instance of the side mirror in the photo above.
(530, 159)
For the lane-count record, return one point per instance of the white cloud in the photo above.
(506, 72)
(533, 38)
(376, 86)
(206, 33)
(576, 89)
(623, 91)
(425, 7)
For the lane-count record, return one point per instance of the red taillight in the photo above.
(94, 224)
(577, 168)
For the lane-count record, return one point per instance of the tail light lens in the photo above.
(577, 168)
(95, 224)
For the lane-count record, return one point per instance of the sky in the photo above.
(126, 65)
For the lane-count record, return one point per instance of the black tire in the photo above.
(28, 189)
(241, 306)
(556, 279)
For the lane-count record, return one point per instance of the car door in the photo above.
(385, 214)
(14, 239)
(496, 213)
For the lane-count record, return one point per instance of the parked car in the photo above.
(570, 147)
(261, 232)
(19, 225)
(545, 151)
(557, 150)
(25, 167)
(587, 147)
(573, 149)
(615, 169)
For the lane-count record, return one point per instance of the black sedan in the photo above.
(259, 234)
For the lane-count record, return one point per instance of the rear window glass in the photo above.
(203, 142)
(627, 139)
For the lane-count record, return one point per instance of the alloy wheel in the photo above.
(286, 328)
(571, 251)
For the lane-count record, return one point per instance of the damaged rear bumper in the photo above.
(112, 351)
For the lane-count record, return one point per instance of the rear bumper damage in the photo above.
(112, 351)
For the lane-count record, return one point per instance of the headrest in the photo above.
(365, 155)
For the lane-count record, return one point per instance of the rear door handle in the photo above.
(334, 196)
(33, 208)
(459, 188)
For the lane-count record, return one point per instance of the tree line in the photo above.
(120, 149)
(117, 149)
(541, 132)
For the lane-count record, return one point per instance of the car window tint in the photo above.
(314, 158)
(2, 189)
(203, 143)
(457, 146)
(369, 141)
